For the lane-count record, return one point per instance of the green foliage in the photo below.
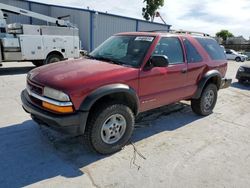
(224, 34)
(149, 11)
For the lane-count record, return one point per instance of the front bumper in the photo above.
(72, 123)
(243, 75)
(225, 83)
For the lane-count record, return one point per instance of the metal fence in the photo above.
(94, 27)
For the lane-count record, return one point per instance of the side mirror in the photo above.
(159, 61)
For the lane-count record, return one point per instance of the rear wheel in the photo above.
(52, 58)
(109, 128)
(206, 103)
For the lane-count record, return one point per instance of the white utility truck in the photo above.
(40, 44)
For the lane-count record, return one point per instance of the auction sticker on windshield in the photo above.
(149, 39)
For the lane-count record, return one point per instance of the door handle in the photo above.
(184, 71)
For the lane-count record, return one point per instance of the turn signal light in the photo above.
(60, 109)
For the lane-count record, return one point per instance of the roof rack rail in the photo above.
(155, 31)
(192, 33)
(181, 32)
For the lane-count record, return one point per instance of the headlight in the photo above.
(241, 69)
(55, 94)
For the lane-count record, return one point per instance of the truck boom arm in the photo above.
(16, 10)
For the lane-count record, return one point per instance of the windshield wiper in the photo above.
(108, 60)
(90, 56)
(101, 58)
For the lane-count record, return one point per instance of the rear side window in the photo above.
(193, 55)
(213, 49)
(171, 47)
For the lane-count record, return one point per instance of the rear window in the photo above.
(213, 49)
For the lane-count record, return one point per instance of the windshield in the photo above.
(123, 50)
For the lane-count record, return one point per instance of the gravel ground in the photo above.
(175, 148)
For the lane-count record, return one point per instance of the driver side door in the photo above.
(160, 86)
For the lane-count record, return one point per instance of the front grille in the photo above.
(36, 101)
(247, 70)
(35, 88)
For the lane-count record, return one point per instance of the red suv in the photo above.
(99, 95)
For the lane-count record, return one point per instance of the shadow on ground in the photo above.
(15, 70)
(30, 154)
(242, 86)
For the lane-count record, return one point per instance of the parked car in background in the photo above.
(243, 73)
(233, 55)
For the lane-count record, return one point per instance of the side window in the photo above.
(193, 55)
(171, 47)
(212, 47)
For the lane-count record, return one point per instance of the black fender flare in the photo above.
(97, 94)
(203, 81)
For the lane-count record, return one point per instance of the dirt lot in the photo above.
(180, 148)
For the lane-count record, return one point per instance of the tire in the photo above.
(237, 59)
(52, 58)
(37, 63)
(101, 134)
(209, 95)
(243, 60)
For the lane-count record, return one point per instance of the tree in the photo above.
(152, 6)
(224, 34)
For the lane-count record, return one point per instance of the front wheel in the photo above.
(237, 59)
(206, 103)
(109, 128)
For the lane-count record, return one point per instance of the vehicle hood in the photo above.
(82, 73)
(241, 55)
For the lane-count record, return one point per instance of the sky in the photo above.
(208, 16)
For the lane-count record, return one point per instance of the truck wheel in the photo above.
(53, 58)
(237, 59)
(109, 128)
(37, 63)
(206, 103)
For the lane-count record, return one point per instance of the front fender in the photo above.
(107, 90)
